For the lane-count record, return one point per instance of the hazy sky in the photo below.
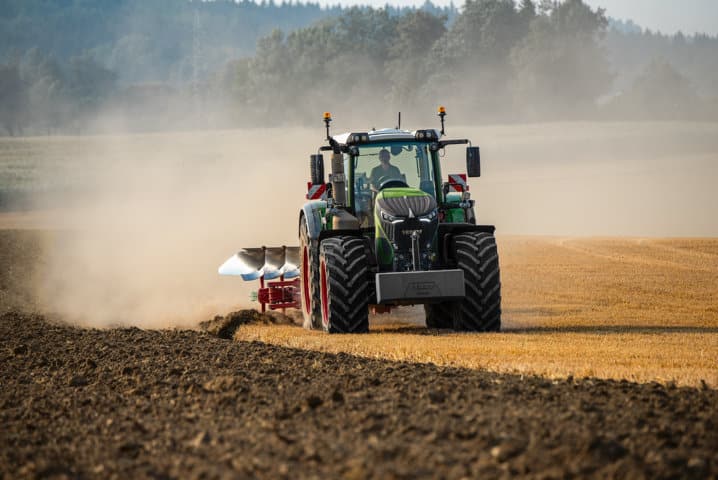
(668, 16)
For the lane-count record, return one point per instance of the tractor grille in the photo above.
(399, 241)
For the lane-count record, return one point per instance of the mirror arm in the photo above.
(443, 143)
(336, 149)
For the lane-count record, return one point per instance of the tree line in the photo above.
(497, 61)
(178, 64)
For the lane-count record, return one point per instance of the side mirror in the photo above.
(316, 167)
(473, 162)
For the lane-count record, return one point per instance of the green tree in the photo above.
(484, 33)
(527, 13)
(659, 92)
(47, 101)
(473, 65)
(13, 94)
(410, 60)
(367, 30)
(89, 83)
(560, 67)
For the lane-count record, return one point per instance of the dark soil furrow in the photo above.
(128, 403)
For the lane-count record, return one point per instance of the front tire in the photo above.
(343, 270)
(480, 310)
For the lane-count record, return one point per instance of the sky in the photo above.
(667, 16)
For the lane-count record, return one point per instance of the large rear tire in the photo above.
(480, 310)
(309, 280)
(343, 270)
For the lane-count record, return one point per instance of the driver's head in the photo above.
(384, 156)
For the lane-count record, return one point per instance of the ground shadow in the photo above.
(588, 329)
(613, 329)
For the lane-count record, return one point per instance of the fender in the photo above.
(457, 228)
(312, 213)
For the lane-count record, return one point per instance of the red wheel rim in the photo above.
(305, 281)
(325, 294)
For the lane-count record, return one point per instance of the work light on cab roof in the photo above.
(382, 230)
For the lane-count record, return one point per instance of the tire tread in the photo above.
(348, 288)
(480, 310)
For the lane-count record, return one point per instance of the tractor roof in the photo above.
(388, 134)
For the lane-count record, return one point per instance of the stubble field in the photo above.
(636, 309)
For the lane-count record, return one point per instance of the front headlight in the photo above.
(429, 216)
(390, 218)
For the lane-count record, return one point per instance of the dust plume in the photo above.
(596, 179)
(156, 216)
(151, 217)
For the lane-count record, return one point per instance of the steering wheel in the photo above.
(386, 181)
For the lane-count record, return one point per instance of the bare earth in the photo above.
(129, 403)
(121, 403)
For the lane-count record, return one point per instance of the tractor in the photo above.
(384, 231)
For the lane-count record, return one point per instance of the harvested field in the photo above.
(635, 309)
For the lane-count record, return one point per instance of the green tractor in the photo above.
(385, 231)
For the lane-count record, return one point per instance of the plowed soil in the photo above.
(129, 403)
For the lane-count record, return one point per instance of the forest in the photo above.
(83, 66)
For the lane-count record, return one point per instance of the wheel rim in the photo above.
(324, 294)
(305, 281)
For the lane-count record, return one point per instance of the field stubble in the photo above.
(635, 309)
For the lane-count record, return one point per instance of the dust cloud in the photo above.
(599, 179)
(158, 213)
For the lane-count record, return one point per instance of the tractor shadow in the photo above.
(613, 329)
(540, 330)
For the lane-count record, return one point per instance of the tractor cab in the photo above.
(388, 185)
(387, 160)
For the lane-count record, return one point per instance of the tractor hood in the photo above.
(406, 224)
(404, 203)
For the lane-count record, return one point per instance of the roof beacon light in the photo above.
(327, 120)
(442, 114)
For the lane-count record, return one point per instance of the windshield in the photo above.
(406, 162)
(389, 165)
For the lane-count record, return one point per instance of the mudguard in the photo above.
(312, 213)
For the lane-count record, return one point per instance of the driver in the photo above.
(385, 170)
